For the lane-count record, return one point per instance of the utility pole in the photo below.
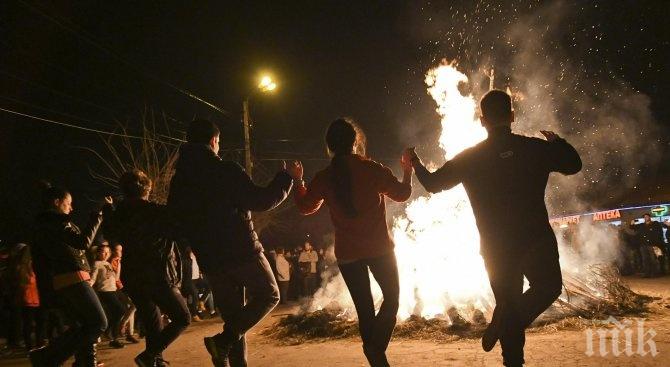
(491, 79)
(246, 120)
(265, 86)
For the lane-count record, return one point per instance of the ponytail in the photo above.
(51, 193)
(344, 138)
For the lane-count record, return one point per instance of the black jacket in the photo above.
(149, 238)
(59, 247)
(505, 177)
(213, 200)
(650, 234)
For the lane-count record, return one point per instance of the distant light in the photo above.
(267, 84)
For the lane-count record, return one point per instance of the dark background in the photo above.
(94, 64)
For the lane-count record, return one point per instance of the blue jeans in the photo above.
(88, 322)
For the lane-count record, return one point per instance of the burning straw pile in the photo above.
(603, 294)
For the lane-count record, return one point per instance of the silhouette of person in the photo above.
(505, 177)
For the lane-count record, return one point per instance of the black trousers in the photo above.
(36, 315)
(231, 286)
(518, 309)
(376, 330)
(150, 300)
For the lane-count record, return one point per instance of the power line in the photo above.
(71, 116)
(65, 71)
(57, 92)
(73, 126)
(90, 40)
(18, 101)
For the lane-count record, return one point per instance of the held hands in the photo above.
(406, 162)
(295, 170)
(408, 155)
(549, 135)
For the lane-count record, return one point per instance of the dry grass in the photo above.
(587, 305)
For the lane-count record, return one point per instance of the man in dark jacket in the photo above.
(505, 177)
(650, 235)
(213, 200)
(152, 272)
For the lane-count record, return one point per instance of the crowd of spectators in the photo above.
(301, 271)
(646, 247)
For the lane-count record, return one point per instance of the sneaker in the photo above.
(160, 362)
(197, 318)
(131, 339)
(217, 351)
(38, 358)
(116, 344)
(145, 360)
(492, 332)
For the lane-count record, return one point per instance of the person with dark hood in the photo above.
(505, 177)
(59, 260)
(213, 200)
(650, 237)
(152, 270)
(355, 189)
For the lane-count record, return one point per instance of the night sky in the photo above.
(94, 64)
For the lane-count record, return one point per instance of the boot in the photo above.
(87, 357)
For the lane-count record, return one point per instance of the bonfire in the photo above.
(445, 293)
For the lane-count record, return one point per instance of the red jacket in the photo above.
(29, 295)
(366, 235)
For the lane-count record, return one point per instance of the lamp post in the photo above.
(266, 85)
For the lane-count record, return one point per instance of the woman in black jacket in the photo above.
(59, 253)
(152, 270)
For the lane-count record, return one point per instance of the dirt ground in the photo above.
(557, 348)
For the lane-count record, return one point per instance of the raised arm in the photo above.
(560, 155)
(249, 196)
(397, 190)
(446, 177)
(308, 198)
(82, 240)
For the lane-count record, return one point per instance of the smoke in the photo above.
(609, 123)
(555, 58)
(547, 55)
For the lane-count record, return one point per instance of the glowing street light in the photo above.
(266, 85)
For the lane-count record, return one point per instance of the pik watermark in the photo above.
(627, 337)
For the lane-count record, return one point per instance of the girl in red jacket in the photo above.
(354, 188)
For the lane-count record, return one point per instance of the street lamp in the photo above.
(266, 85)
